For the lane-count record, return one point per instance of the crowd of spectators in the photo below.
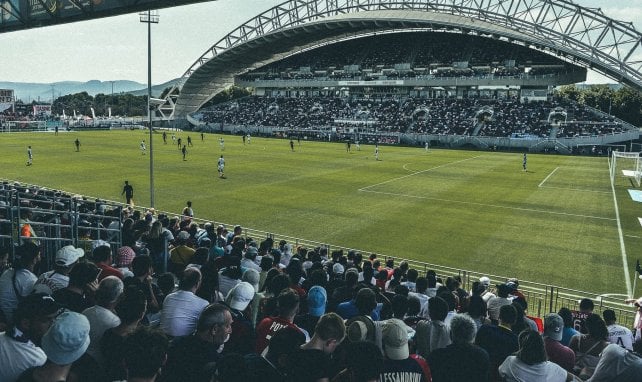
(440, 116)
(232, 308)
(425, 54)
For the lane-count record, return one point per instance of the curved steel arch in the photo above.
(557, 27)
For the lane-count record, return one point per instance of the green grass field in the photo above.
(474, 210)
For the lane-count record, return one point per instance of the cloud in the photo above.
(625, 14)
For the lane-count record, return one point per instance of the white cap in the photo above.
(68, 255)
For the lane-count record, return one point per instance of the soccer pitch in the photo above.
(473, 210)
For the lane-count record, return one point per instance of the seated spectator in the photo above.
(397, 357)
(618, 334)
(421, 293)
(228, 277)
(530, 362)
(364, 363)
(495, 303)
(230, 368)
(65, 342)
(80, 293)
(142, 280)
(446, 363)
(124, 257)
(486, 294)
(145, 353)
(312, 361)
(58, 278)
(103, 259)
(130, 309)
(18, 282)
(288, 305)
(477, 311)
(557, 353)
(243, 337)
(277, 361)
(193, 358)
(181, 254)
(618, 364)
(20, 344)
(316, 308)
(588, 347)
(434, 333)
(102, 315)
(498, 341)
(249, 259)
(182, 308)
(569, 330)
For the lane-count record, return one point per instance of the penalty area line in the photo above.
(549, 175)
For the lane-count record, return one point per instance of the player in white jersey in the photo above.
(143, 148)
(427, 146)
(376, 151)
(221, 143)
(618, 334)
(248, 138)
(29, 156)
(221, 167)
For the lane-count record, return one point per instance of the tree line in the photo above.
(625, 103)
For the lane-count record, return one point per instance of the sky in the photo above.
(115, 48)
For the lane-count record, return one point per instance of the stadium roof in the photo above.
(560, 28)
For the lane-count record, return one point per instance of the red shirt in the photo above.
(108, 271)
(266, 329)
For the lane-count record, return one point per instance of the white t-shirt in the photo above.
(514, 370)
(24, 285)
(17, 356)
(100, 319)
(621, 336)
(50, 282)
(180, 313)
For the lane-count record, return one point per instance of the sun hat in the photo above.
(395, 340)
(317, 298)
(67, 339)
(68, 255)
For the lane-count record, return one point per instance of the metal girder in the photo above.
(565, 29)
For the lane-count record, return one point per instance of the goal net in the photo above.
(625, 165)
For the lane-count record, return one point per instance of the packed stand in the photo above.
(232, 308)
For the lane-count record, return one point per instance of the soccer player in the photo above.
(221, 143)
(202, 137)
(29, 156)
(348, 146)
(128, 190)
(77, 143)
(165, 137)
(173, 138)
(184, 151)
(358, 146)
(221, 167)
(189, 141)
(427, 146)
(291, 144)
(244, 138)
(180, 141)
(376, 151)
(248, 138)
(524, 162)
(143, 148)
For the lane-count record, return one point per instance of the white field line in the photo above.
(633, 236)
(625, 264)
(417, 172)
(549, 175)
(407, 169)
(488, 205)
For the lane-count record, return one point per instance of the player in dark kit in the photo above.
(77, 143)
(291, 145)
(189, 141)
(128, 190)
(179, 143)
(184, 151)
(165, 137)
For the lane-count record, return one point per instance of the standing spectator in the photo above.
(557, 353)
(530, 363)
(397, 359)
(182, 308)
(58, 278)
(102, 316)
(18, 282)
(618, 334)
(193, 358)
(637, 322)
(181, 255)
(446, 363)
(20, 344)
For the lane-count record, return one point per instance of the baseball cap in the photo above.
(485, 281)
(360, 328)
(317, 298)
(395, 340)
(36, 305)
(240, 296)
(251, 252)
(67, 339)
(252, 276)
(337, 268)
(68, 255)
(553, 326)
(99, 243)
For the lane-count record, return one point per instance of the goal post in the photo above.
(625, 165)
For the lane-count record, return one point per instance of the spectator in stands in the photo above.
(434, 333)
(521, 321)
(193, 358)
(586, 307)
(181, 309)
(364, 362)
(288, 306)
(477, 311)
(530, 362)
(397, 357)
(487, 294)
(80, 293)
(618, 364)
(142, 280)
(588, 347)
(18, 282)
(58, 278)
(20, 344)
(102, 316)
(124, 257)
(181, 254)
(495, 303)
(557, 353)
(312, 361)
(618, 334)
(277, 362)
(499, 341)
(421, 286)
(65, 342)
(316, 306)
(461, 360)
(249, 259)
(243, 337)
(103, 259)
(569, 331)
(145, 353)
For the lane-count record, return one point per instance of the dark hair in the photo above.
(167, 282)
(287, 301)
(231, 368)
(414, 306)
(476, 307)
(587, 304)
(266, 263)
(144, 352)
(132, 305)
(609, 315)
(531, 347)
(82, 274)
(450, 299)
(508, 314)
(365, 360)
(101, 253)
(567, 316)
(27, 253)
(140, 265)
(399, 306)
(365, 301)
(437, 308)
(285, 342)
(596, 327)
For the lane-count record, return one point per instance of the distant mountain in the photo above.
(28, 92)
